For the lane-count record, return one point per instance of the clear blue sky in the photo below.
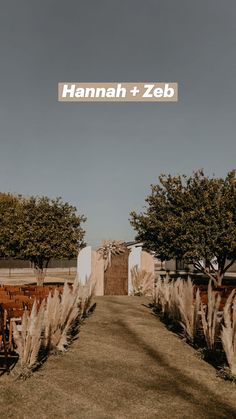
(103, 157)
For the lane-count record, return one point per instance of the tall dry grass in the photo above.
(142, 281)
(211, 318)
(162, 295)
(86, 294)
(54, 325)
(228, 334)
(175, 299)
(60, 313)
(189, 306)
(28, 340)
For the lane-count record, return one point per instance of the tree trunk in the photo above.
(40, 274)
(219, 279)
(216, 277)
(40, 270)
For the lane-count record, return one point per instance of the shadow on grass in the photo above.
(177, 382)
(11, 362)
(172, 380)
(215, 357)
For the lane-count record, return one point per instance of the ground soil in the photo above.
(125, 364)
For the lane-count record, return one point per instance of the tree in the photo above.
(10, 210)
(193, 219)
(40, 229)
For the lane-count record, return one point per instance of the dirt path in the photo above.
(125, 364)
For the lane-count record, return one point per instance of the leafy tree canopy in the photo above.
(10, 210)
(193, 219)
(38, 229)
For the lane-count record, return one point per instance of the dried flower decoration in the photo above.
(110, 248)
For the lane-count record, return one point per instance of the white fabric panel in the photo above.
(84, 263)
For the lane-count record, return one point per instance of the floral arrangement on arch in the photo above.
(110, 248)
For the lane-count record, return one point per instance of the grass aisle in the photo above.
(125, 364)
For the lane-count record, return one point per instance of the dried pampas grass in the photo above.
(28, 341)
(86, 293)
(174, 313)
(142, 281)
(211, 318)
(54, 325)
(228, 334)
(64, 313)
(188, 308)
(163, 295)
(176, 300)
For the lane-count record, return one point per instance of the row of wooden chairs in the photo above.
(14, 300)
(223, 291)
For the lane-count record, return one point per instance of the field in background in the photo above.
(26, 276)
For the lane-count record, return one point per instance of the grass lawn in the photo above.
(125, 364)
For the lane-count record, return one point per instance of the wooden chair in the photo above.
(12, 288)
(3, 336)
(14, 315)
(23, 298)
(4, 293)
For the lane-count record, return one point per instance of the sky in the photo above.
(102, 157)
